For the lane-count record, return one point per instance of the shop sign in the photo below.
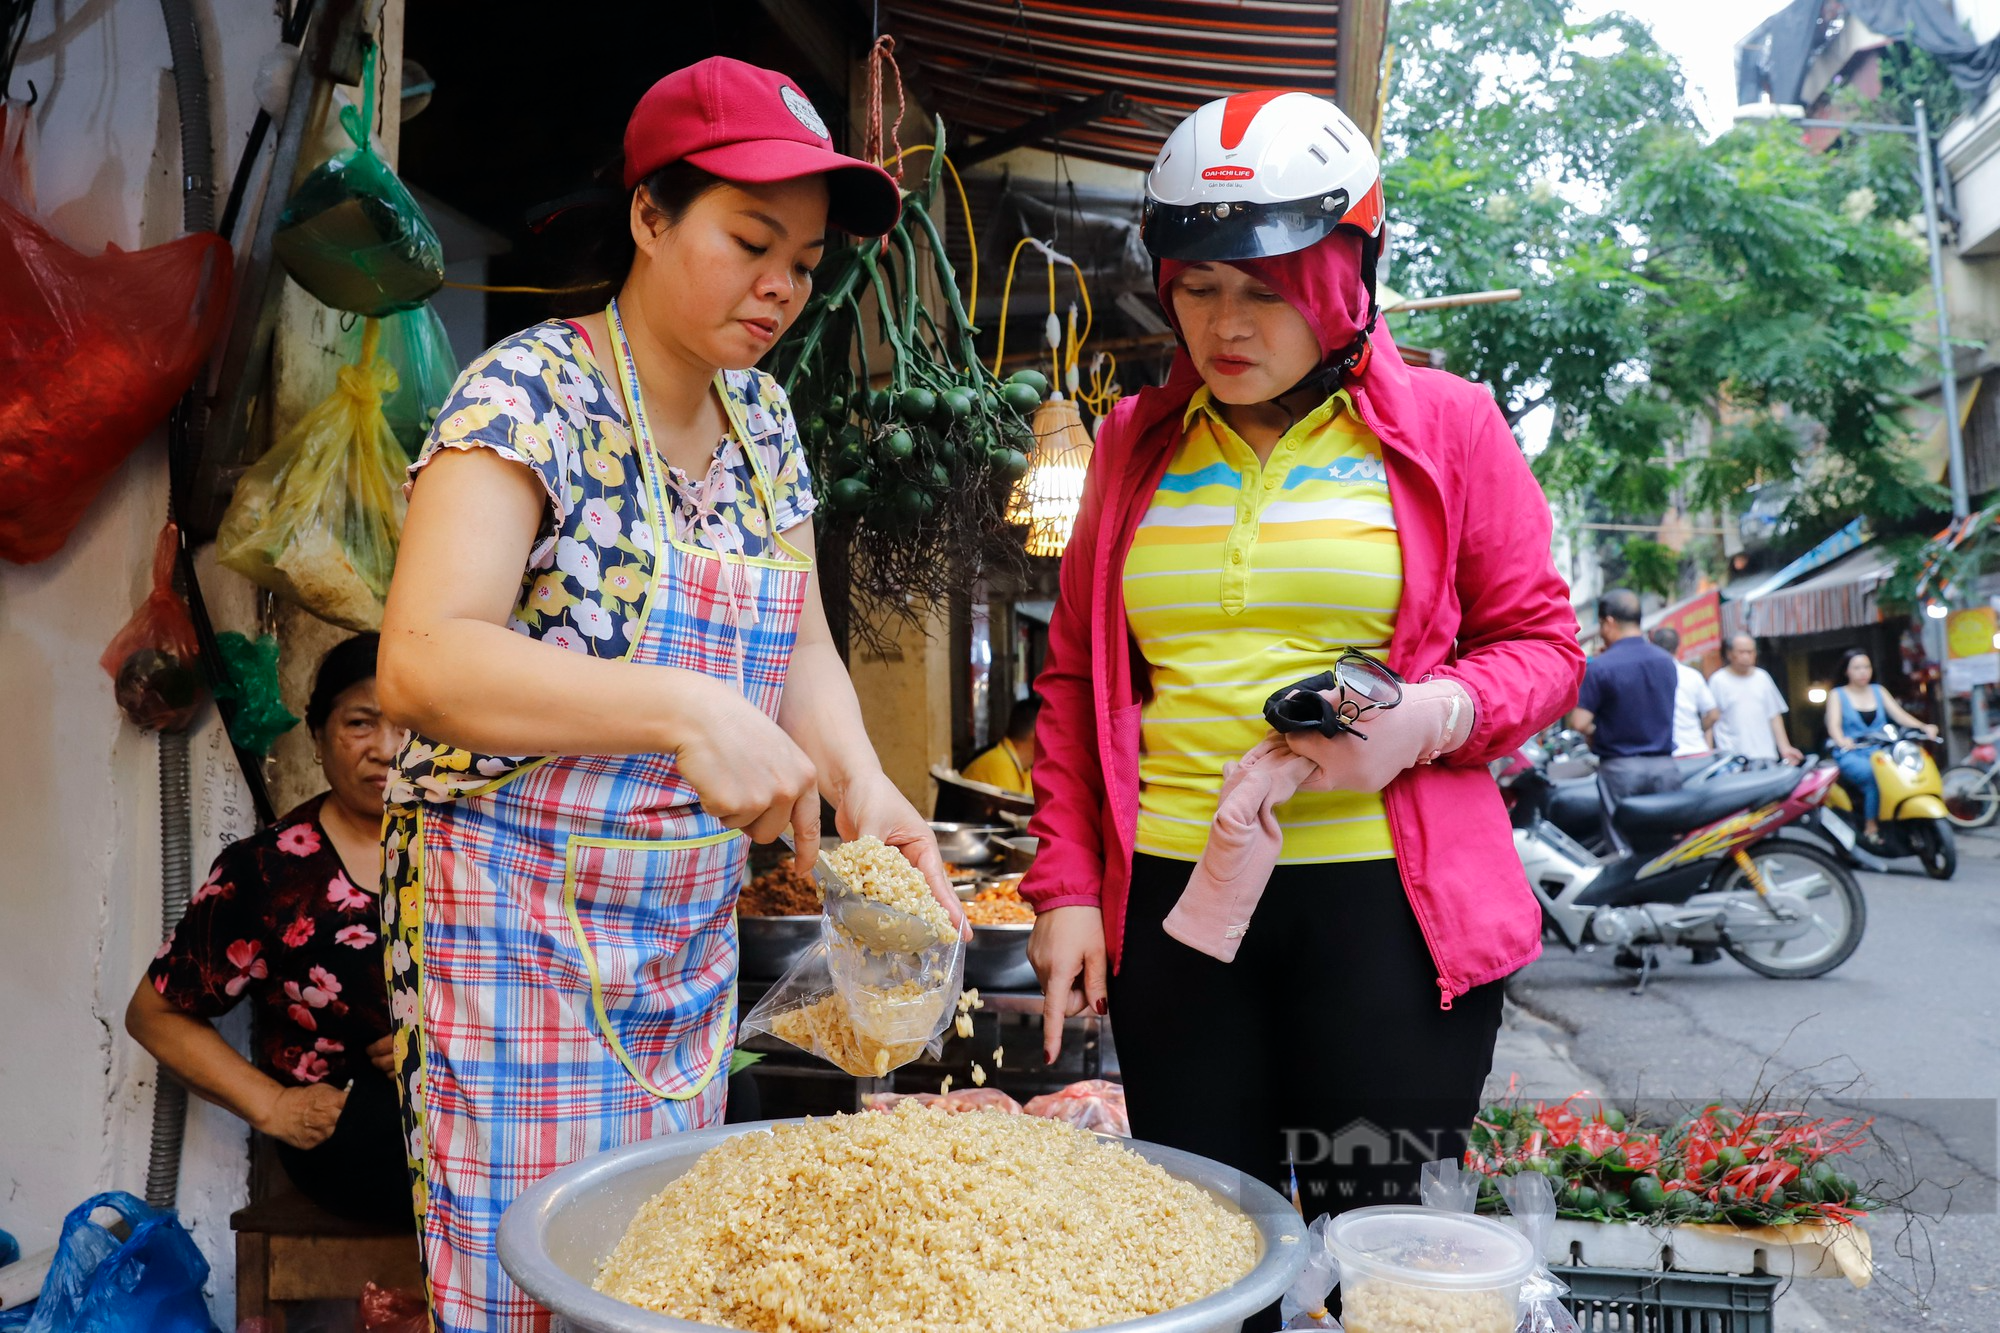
(1970, 657)
(1698, 622)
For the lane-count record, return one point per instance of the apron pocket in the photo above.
(655, 925)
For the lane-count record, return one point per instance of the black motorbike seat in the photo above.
(1704, 803)
(1575, 809)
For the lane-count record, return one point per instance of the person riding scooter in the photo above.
(1885, 771)
(1855, 715)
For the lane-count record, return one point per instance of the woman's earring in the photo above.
(318, 758)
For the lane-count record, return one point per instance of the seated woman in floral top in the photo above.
(287, 919)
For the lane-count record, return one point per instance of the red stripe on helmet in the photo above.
(1242, 108)
(1367, 213)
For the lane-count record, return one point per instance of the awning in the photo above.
(1839, 596)
(992, 66)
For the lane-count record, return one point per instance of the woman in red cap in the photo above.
(1299, 932)
(606, 636)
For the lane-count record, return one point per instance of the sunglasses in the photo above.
(1362, 683)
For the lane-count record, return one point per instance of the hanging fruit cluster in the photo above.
(915, 468)
(898, 454)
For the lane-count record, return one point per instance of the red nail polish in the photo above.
(1100, 1008)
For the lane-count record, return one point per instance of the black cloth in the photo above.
(1321, 1048)
(1775, 57)
(1932, 27)
(361, 1171)
(1638, 774)
(1323, 1044)
(1629, 689)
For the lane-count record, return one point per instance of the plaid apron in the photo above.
(571, 933)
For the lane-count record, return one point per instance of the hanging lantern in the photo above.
(1048, 499)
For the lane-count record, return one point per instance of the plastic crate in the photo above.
(1624, 1300)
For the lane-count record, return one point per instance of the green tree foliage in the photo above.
(1748, 280)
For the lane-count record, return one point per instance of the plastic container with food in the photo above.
(1420, 1270)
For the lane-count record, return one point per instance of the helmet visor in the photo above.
(1226, 229)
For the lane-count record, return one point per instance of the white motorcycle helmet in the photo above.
(1263, 174)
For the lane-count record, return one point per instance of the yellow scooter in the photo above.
(1910, 809)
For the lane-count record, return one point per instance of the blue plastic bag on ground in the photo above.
(150, 1280)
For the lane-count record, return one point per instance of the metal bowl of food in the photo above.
(771, 944)
(969, 844)
(997, 959)
(557, 1234)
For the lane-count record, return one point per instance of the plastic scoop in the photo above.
(867, 922)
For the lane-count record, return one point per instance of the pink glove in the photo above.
(1434, 718)
(1243, 844)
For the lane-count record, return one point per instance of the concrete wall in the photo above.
(79, 802)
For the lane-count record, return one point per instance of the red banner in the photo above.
(1699, 623)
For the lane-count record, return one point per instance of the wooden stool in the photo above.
(289, 1249)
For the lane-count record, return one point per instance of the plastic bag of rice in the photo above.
(865, 1014)
(916, 1221)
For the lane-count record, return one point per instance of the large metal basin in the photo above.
(558, 1232)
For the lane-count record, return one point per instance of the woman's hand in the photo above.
(749, 774)
(382, 1054)
(303, 1117)
(1067, 953)
(1931, 730)
(874, 806)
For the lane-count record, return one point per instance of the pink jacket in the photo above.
(1482, 604)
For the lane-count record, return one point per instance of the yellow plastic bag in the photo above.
(317, 519)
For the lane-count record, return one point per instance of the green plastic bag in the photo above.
(248, 696)
(352, 235)
(318, 518)
(415, 344)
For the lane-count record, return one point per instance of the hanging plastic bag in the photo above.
(100, 1284)
(1304, 1305)
(418, 349)
(865, 1014)
(1532, 1201)
(151, 661)
(249, 697)
(351, 234)
(97, 348)
(1095, 1104)
(317, 518)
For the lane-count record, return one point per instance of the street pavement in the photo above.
(1905, 1031)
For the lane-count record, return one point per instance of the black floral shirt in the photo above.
(280, 923)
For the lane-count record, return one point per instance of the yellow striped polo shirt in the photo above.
(1244, 577)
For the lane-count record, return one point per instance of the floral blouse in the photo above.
(279, 923)
(544, 399)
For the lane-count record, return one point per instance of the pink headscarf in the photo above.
(1321, 282)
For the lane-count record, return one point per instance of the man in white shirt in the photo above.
(1752, 721)
(1694, 703)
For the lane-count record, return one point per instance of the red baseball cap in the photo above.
(753, 126)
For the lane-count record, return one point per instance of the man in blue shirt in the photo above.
(1626, 703)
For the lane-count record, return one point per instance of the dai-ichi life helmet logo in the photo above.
(1227, 173)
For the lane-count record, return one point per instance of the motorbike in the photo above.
(1700, 868)
(1577, 806)
(1911, 812)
